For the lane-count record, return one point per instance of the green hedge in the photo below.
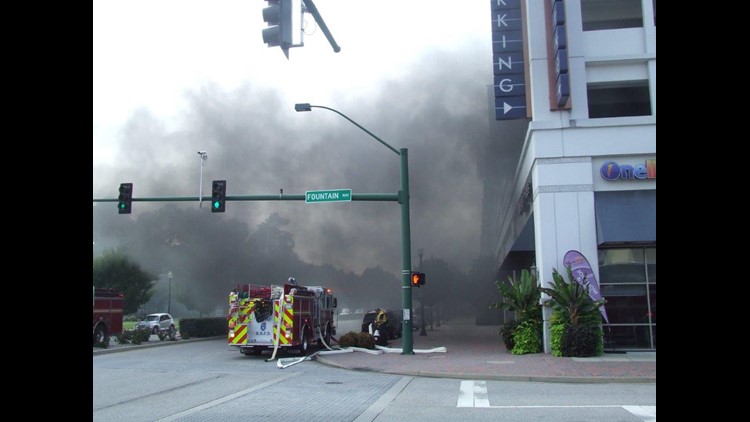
(556, 329)
(203, 327)
(507, 332)
(527, 337)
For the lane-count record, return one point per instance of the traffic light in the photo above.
(417, 279)
(125, 198)
(278, 16)
(218, 196)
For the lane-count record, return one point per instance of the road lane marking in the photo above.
(229, 397)
(380, 404)
(648, 413)
(473, 394)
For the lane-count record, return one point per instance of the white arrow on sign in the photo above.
(507, 107)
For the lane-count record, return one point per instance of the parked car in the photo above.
(390, 330)
(156, 322)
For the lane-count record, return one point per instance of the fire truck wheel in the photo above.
(100, 335)
(304, 344)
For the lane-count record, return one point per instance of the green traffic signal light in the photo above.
(125, 198)
(218, 195)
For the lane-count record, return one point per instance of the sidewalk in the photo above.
(475, 353)
(478, 353)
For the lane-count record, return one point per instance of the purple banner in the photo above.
(581, 269)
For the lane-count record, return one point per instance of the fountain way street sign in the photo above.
(333, 195)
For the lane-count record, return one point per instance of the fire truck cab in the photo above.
(287, 317)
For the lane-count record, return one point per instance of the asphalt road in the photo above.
(208, 381)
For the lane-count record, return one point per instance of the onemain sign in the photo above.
(331, 195)
(611, 170)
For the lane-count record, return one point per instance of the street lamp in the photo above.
(403, 199)
(169, 303)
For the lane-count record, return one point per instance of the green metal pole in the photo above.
(408, 341)
(403, 199)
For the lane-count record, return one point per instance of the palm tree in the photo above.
(571, 298)
(520, 296)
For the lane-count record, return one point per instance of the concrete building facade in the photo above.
(583, 176)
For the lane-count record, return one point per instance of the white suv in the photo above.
(156, 322)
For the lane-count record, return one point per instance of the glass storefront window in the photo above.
(627, 277)
(626, 304)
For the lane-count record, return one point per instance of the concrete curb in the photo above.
(129, 347)
(488, 377)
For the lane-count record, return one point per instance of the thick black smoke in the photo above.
(259, 144)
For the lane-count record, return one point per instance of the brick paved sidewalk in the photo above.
(477, 352)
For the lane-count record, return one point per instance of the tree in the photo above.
(117, 271)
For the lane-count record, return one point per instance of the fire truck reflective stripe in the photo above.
(240, 335)
(284, 340)
(288, 316)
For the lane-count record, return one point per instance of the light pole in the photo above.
(169, 303)
(204, 157)
(422, 331)
(403, 195)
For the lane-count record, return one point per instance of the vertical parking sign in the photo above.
(508, 61)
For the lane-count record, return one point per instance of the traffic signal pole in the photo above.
(321, 23)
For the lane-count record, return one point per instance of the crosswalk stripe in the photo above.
(473, 394)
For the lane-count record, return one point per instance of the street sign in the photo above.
(332, 195)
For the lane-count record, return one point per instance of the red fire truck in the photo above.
(286, 317)
(108, 305)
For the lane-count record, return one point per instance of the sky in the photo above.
(171, 78)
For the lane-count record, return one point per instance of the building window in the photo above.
(611, 14)
(628, 283)
(618, 99)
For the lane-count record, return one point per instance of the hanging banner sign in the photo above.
(581, 270)
(508, 61)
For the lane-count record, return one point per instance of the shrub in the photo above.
(580, 340)
(133, 336)
(527, 337)
(102, 344)
(168, 335)
(520, 296)
(123, 337)
(348, 340)
(507, 332)
(556, 328)
(366, 340)
(571, 298)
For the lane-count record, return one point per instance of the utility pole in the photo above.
(204, 157)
